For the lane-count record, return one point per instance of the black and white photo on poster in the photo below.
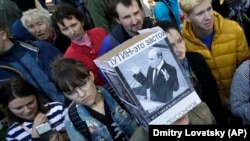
(150, 76)
(124, 96)
(138, 73)
(116, 83)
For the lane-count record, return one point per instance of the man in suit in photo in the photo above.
(161, 77)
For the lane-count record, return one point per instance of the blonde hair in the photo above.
(187, 5)
(36, 13)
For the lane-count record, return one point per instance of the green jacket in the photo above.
(100, 14)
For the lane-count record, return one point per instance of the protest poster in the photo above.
(149, 79)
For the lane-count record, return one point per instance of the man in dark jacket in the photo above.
(130, 19)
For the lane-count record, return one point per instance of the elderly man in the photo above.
(38, 22)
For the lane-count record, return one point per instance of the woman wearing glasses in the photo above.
(104, 117)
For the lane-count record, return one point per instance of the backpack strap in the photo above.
(78, 123)
(11, 69)
(172, 16)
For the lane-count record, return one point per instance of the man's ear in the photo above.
(82, 22)
(3, 35)
(92, 77)
(187, 17)
(117, 20)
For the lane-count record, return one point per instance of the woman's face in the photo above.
(177, 43)
(85, 93)
(25, 107)
(72, 28)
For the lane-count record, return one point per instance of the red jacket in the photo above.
(86, 54)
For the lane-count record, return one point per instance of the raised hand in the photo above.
(133, 68)
(165, 73)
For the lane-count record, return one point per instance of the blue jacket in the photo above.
(118, 36)
(162, 12)
(99, 131)
(34, 63)
(20, 32)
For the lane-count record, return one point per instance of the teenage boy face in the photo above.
(131, 17)
(202, 16)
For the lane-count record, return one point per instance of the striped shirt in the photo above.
(55, 118)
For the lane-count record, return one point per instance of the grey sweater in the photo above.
(240, 92)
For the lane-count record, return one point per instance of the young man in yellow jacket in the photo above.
(222, 42)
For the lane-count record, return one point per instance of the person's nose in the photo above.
(26, 109)
(207, 15)
(150, 61)
(71, 31)
(37, 29)
(178, 48)
(133, 20)
(80, 92)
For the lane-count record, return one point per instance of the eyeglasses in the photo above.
(83, 85)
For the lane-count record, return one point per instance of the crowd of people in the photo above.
(48, 74)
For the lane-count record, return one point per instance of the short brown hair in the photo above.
(5, 29)
(67, 72)
(126, 3)
(65, 11)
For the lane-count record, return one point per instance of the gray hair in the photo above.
(36, 13)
